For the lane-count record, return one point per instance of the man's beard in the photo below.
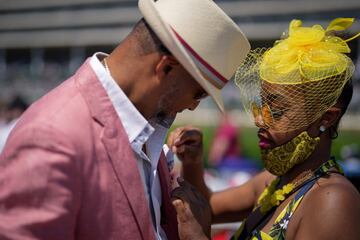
(163, 119)
(161, 116)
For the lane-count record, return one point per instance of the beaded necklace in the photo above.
(272, 197)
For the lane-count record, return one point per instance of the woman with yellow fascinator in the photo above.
(296, 92)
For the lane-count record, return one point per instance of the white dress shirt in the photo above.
(5, 130)
(139, 132)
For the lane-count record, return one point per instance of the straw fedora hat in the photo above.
(207, 43)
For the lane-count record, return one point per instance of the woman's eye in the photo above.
(277, 113)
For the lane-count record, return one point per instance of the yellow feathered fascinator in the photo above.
(293, 83)
(312, 51)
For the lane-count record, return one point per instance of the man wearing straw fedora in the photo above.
(86, 161)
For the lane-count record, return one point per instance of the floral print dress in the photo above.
(278, 230)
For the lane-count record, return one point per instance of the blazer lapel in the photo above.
(117, 145)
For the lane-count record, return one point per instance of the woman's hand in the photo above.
(186, 142)
(193, 212)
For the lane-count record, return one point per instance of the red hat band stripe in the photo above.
(221, 80)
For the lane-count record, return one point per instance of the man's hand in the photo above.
(193, 212)
(186, 143)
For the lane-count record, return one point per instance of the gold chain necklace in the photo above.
(307, 175)
(104, 63)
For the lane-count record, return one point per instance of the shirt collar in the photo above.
(134, 123)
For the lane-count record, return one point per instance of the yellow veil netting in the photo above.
(293, 83)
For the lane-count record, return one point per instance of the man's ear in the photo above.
(331, 116)
(165, 65)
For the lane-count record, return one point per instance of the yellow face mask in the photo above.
(280, 160)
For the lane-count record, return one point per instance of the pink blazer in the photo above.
(68, 171)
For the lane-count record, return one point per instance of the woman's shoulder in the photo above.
(332, 206)
(334, 189)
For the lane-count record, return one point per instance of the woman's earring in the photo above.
(322, 128)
